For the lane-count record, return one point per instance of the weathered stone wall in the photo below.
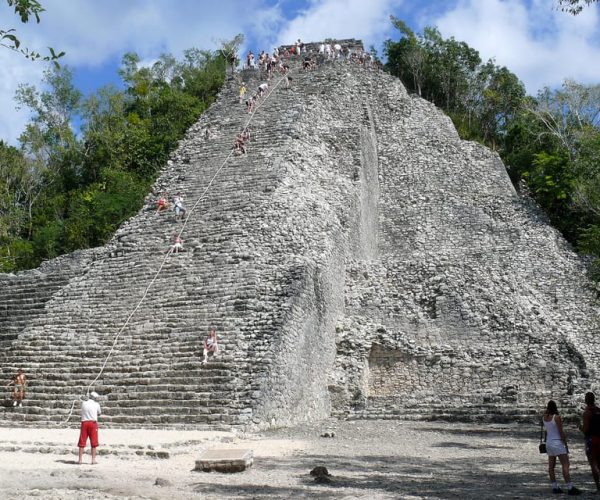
(360, 260)
(331, 203)
(26, 293)
(476, 307)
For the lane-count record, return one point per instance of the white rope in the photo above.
(121, 331)
(267, 95)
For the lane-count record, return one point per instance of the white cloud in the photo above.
(366, 20)
(264, 25)
(15, 70)
(93, 32)
(541, 45)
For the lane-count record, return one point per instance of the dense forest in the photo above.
(549, 143)
(63, 189)
(84, 164)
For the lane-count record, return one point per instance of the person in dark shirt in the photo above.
(591, 430)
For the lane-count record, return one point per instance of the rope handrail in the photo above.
(170, 251)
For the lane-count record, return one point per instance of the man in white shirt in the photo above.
(178, 204)
(262, 89)
(90, 410)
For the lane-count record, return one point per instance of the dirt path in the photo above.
(367, 460)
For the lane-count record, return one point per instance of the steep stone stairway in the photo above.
(28, 292)
(155, 375)
(264, 250)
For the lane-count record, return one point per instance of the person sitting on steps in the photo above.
(246, 134)
(177, 244)
(161, 204)
(306, 63)
(210, 345)
(239, 146)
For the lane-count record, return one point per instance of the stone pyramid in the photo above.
(360, 261)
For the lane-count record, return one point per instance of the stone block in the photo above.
(224, 460)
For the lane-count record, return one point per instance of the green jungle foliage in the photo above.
(62, 191)
(550, 143)
(26, 10)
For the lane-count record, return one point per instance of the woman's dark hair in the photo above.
(551, 408)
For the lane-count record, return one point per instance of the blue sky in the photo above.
(540, 44)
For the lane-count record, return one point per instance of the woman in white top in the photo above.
(556, 446)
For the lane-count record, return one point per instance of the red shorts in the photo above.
(89, 428)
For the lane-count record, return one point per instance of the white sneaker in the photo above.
(14, 403)
(20, 405)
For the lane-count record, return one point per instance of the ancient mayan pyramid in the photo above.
(360, 261)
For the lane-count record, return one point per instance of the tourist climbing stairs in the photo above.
(155, 374)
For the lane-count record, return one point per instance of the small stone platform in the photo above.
(224, 460)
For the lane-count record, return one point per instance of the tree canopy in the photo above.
(9, 39)
(480, 97)
(63, 189)
(574, 6)
(550, 142)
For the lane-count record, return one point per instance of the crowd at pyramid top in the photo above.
(331, 50)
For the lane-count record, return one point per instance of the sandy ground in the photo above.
(367, 460)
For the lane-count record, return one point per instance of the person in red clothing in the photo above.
(161, 204)
(90, 410)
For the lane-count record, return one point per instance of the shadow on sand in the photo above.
(395, 476)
